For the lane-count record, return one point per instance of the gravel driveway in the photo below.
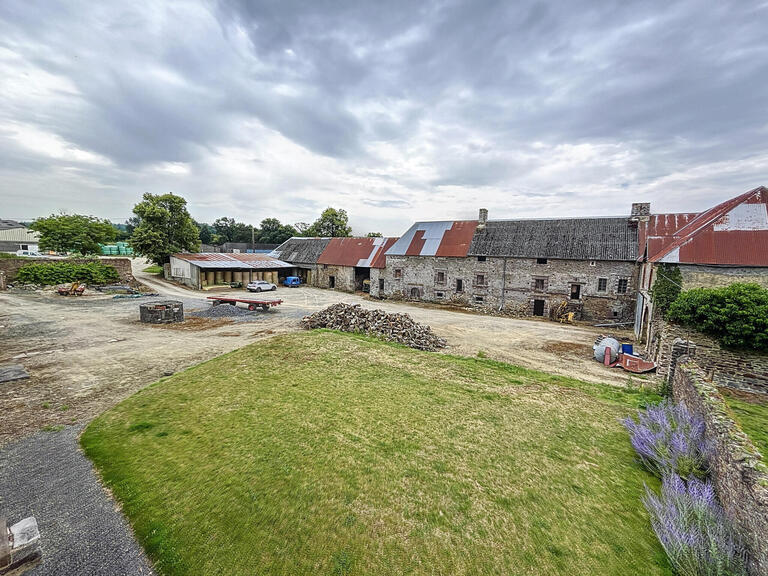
(82, 533)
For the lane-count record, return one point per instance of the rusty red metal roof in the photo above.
(232, 260)
(734, 232)
(450, 238)
(361, 252)
(659, 231)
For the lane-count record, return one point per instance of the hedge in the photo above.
(51, 273)
(736, 315)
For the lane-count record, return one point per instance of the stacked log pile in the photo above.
(399, 328)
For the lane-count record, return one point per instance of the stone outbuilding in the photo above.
(522, 267)
(347, 263)
(302, 253)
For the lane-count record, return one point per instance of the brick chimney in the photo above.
(482, 218)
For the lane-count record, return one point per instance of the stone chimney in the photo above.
(641, 212)
(482, 218)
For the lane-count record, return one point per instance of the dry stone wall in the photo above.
(512, 285)
(738, 369)
(343, 277)
(738, 469)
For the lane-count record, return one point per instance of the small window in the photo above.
(602, 284)
(381, 284)
(592, 263)
(575, 291)
(615, 313)
(459, 285)
(440, 295)
(480, 280)
(541, 260)
(481, 258)
(398, 272)
(325, 266)
(538, 284)
(25, 246)
(178, 272)
(622, 287)
(440, 277)
(479, 299)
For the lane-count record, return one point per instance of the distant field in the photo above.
(753, 419)
(154, 269)
(326, 453)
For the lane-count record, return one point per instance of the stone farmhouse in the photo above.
(522, 267)
(725, 244)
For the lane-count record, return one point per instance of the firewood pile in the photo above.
(399, 328)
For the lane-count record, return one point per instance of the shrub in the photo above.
(737, 315)
(51, 273)
(693, 530)
(669, 439)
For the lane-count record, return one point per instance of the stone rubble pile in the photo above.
(399, 328)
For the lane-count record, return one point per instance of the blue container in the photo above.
(627, 348)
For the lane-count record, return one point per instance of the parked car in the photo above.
(29, 253)
(260, 286)
(292, 281)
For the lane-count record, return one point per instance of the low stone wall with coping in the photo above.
(738, 470)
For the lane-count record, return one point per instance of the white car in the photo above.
(260, 286)
(28, 253)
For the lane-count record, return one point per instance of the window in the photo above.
(381, 284)
(440, 295)
(398, 272)
(25, 246)
(325, 266)
(592, 263)
(541, 260)
(479, 299)
(480, 280)
(575, 291)
(440, 277)
(415, 292)
(539, 284)
(178, 272)
(602, 284)
(459, 285)
(622, 287)
(481, 258)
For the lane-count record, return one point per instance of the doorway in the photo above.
(575, 291)
(538, 307)
(331, 282)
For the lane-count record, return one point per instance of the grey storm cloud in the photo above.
(278, 108)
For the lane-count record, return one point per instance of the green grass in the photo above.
(327, 453)
(154, 269)
(753, 419)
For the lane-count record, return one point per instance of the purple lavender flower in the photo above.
(668, 438)
(693, 529)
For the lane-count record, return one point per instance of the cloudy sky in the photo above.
(395, 111)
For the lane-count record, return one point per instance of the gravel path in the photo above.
(82, 532)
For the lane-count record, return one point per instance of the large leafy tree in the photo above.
(165, 227)
(73, 233)
(230, 230)
(273, 232)
(331, 223)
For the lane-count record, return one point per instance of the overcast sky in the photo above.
(395, 111)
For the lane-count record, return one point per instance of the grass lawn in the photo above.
(752, 418)
(328, 453)
(154, 269)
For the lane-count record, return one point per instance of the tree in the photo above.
(273, 232)
(332, 223)
(373, 235)
(165, 227)
(206, 232)
(73, 233)
(302, 228)
(667, 286)
(230, 230)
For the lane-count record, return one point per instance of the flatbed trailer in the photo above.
(249, 302)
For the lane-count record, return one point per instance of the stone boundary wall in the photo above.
(738, 470)
(738, 369)
(10, 266)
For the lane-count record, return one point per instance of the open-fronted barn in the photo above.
(302, 253)
(204, 270)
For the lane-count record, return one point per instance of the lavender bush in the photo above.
(693, 530)
(669, 439)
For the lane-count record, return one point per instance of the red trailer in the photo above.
(250, 303)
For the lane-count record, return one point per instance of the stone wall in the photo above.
(10, 266)
(510, 284)
(717, 276)
(738, 470)
(739, 369)
(344, 277)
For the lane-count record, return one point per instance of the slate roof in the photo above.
(734, 232)
(448, 238)
(298, 250)
(361, 252)
(9, 224)
(567, 239)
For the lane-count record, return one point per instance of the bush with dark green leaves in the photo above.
(52, 273)
(737, 315)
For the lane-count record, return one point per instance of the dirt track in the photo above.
(86, 354)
